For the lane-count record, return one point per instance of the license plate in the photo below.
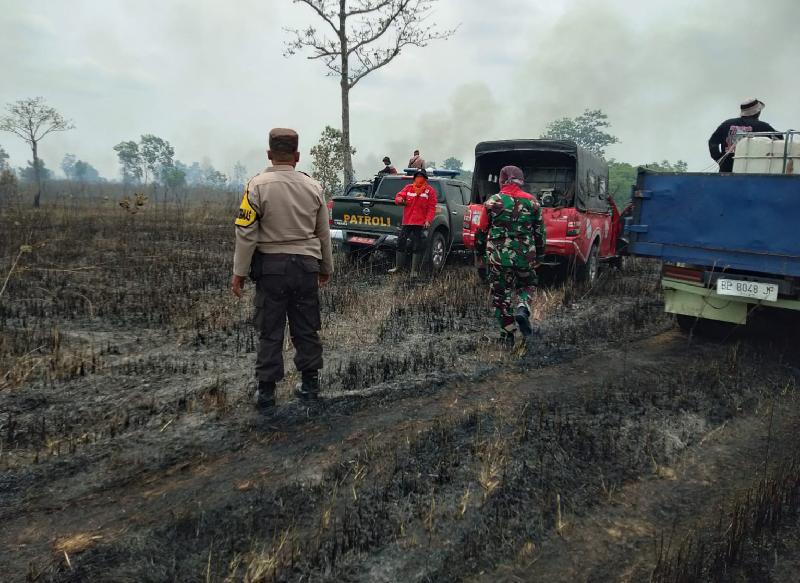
(362, 240)
(748, 289)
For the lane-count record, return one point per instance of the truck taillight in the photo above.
(684, 273)
(330, 212)
(573, 228)
(471, 218)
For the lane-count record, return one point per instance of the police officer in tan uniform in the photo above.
(283, 242)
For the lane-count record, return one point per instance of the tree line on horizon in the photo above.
(150, 161)
(589, 130)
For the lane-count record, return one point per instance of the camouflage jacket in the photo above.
(511, 232)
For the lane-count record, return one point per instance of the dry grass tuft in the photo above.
(527, 551)
(492, 456)
(262, 564)
(76, 543)
(244, 485)
(546, 302)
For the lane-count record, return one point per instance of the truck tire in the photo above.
(712, 329)
(550, 276)
(351, 254)
(437, 252)
(587, 272)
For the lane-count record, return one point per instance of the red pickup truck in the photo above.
(582, 223)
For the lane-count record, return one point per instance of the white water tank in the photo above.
(763, 155)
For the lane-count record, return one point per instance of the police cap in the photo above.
(283, 140)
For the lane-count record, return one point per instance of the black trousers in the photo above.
(727, 164)
(288, 287)
(411, 239)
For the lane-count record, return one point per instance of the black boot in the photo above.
(399, 262)
(308, 389)
(265, 395)
(416, 262)
(522, 315)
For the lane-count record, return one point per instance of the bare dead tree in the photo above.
(366, 35)
(32, 119)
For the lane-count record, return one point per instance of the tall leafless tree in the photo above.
(32, 119)
(366, 35)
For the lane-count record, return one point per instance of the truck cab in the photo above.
(369, 219)
(581, 221)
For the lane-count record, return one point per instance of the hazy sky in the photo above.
(210, 77)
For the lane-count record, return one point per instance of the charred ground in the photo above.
(614, 449)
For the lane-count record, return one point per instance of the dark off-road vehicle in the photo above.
(370, 220)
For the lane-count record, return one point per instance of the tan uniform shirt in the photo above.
(282, 211)
(416, 162)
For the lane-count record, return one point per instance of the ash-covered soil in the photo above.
(613, 448)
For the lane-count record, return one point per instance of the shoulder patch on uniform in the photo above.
(247, 214)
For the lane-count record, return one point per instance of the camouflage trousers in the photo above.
(504, 282)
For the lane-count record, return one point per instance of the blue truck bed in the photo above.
(748, 222)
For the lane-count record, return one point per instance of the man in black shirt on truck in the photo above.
(722, 142)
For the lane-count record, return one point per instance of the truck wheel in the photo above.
(437, 251)
(587, 272)
(712, 329)
(352, 255)
(550, 276)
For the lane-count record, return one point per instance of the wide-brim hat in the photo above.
(751, 107)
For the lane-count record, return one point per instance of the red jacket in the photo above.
(418, 208)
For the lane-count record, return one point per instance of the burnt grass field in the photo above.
(612, 448)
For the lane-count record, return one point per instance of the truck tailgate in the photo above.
(366, 214)
(725, 221)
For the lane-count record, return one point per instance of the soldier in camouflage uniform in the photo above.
(510, 239)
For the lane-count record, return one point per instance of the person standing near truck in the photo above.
(418, 200)
(283, 241)
(416, 161)
(510, 240)
(722, 142)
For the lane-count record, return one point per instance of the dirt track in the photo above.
(449, 461)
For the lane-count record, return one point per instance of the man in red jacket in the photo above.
(419, 207)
